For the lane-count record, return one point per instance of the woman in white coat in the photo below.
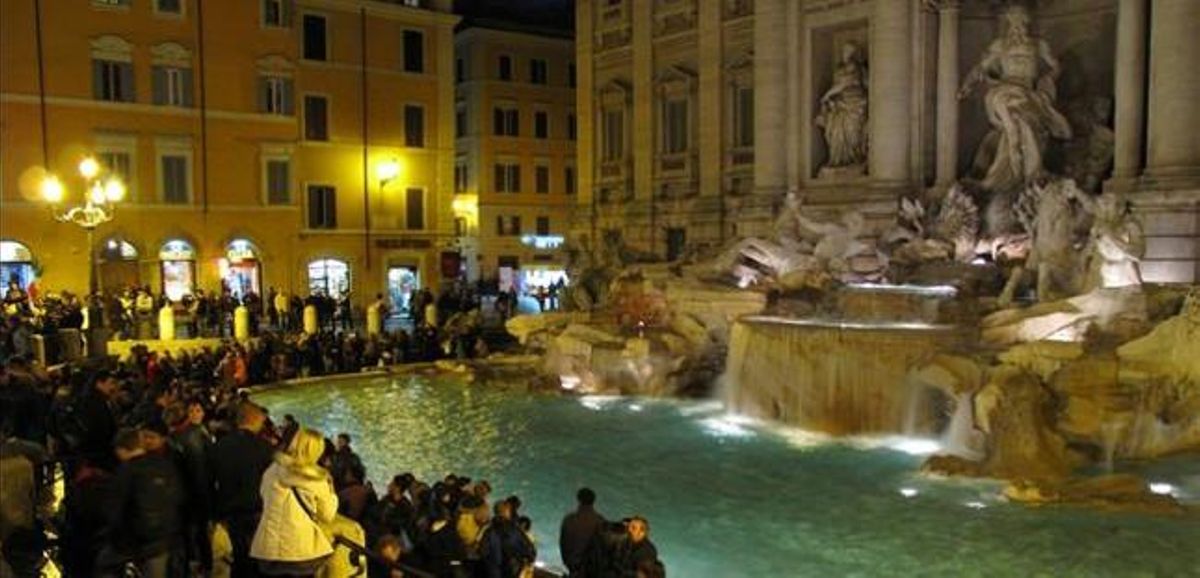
(298, 500)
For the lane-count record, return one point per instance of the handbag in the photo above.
(325, 529)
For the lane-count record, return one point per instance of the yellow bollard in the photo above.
(310, 319)
(241, 323)
(166, 323)
(374, 323)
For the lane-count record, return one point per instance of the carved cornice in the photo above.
(941, 5)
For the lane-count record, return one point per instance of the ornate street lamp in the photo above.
(100, 199)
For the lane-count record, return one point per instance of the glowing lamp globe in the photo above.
(114, 190)
(96, 194)
(387, 170)
(89, 168)
(52, 189)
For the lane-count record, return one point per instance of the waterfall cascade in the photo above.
(836, 377)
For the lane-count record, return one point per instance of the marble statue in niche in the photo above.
(843, 116)
(1019, 73)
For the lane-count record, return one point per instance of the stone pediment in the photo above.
(675, 74)
(171, 54)
(615, 92)
(275, 63)
(109, 47)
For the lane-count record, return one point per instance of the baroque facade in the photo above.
(305, 145)
(515, 175)
(697, 117)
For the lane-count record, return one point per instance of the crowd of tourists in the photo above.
(446, 325)
(171, 472)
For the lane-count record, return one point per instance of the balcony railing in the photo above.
(677, 165)
(741, 157)
(613, 170)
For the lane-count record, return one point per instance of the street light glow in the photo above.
(387, 170)
(114, 190)
(89, 168)
(52, 189)
(96, 194)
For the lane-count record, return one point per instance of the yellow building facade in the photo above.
(305, 145)
(515, 171)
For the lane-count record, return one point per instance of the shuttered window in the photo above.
(171, 85)
(276, 95)
(175, 179)
(112, 80)
(414, 125)
(316, 118)
(279, 186)
(322, 207)
(414, 209)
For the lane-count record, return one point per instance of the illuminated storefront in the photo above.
(240, 269)
(177, 262)
(328, 277)
(16, 264)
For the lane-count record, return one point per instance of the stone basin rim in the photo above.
(850, 325)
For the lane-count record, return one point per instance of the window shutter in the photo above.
(264, 95)
(98, 79)
(497, 121)
(499, 225)
(158, 84)
(289, 98)
(185, 77)
(331, 208)
(516, 178)
(128, 92)
(415, 202)
(499, 178)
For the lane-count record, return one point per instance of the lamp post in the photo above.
(99, 206)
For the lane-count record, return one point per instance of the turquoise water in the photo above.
(726, 498)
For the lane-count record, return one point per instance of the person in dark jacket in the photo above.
(343, 460)
(505, 550)
(442, 553)
(85, 514)
(237, 463)
(94, 415)
(636, 557)
(193, 444)
(579, 530)
(144, 522)
(395, 513)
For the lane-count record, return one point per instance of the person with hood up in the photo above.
(298, 501)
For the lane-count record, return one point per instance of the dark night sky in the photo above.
(559, 14)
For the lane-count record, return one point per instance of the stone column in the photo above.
(642, 128)
(1129, 120)
(711, 94)
(947, 92)
(890, 92)
(770, 95)
(1174, 146)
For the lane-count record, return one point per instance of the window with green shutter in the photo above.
(322, 207)
(414, 209)
(174, 179)
(112, 80)
(171, 86)
(279, 186)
